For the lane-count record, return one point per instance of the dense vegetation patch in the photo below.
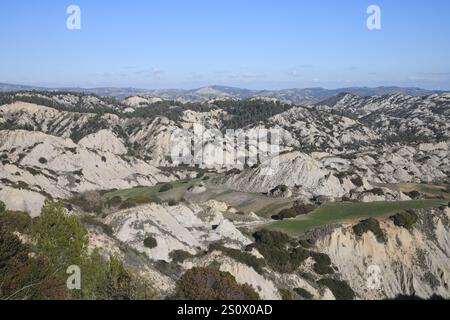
(372, 225)
(248, 112)
(303, 293)
(90, 201)
(286, 294)
(285, 214)
(340, 289)
(240, 256)
(284, 255)
(296, 210)
(405, 219)
(36, 269)
(322, 263)
(212, 284)
(178, 256)
(14, 221)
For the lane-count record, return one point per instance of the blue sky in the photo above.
(246, 43)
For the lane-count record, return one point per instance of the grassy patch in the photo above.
(274, 208)
(430, 190)
(154, 194)
(339, 212)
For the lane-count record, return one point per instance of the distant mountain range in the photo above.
(215, 92)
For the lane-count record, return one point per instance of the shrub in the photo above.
(233, 171)
(240, 256)
(431, 279)
(303, 209)
(165, 187)
(413, 194)
(303, 293)
(299, 255)
(276, 249)
(200, 174)
(405, 219)
(370, 225)
(285, 294)
(15, 221)
(287, 214)
(134, 202)
(172, 202)
(377, 191)
(306, 243)
(150, 242)
(26, 276)
(212, 284)
(178, 256)
(322, 263)
(42, 160)
(59, 236)
(90, 221)
(90, 201)
(273, 246)
(340, 289)
(278, 189)
(114, 201)
(2, 207)
(357, 182)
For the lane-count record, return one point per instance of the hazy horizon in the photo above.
(218, 85)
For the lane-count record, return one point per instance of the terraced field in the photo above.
(345, 211)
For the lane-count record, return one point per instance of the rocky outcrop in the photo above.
(186, 227)
(104, 140)
(57, 167)
(411, 263)
(291, 170)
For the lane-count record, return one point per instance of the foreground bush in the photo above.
(58, 240)
(212, 284)
(24, 276)
(15, 221)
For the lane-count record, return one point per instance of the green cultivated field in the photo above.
(429, 190)
(345, 211)
(152, 193)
